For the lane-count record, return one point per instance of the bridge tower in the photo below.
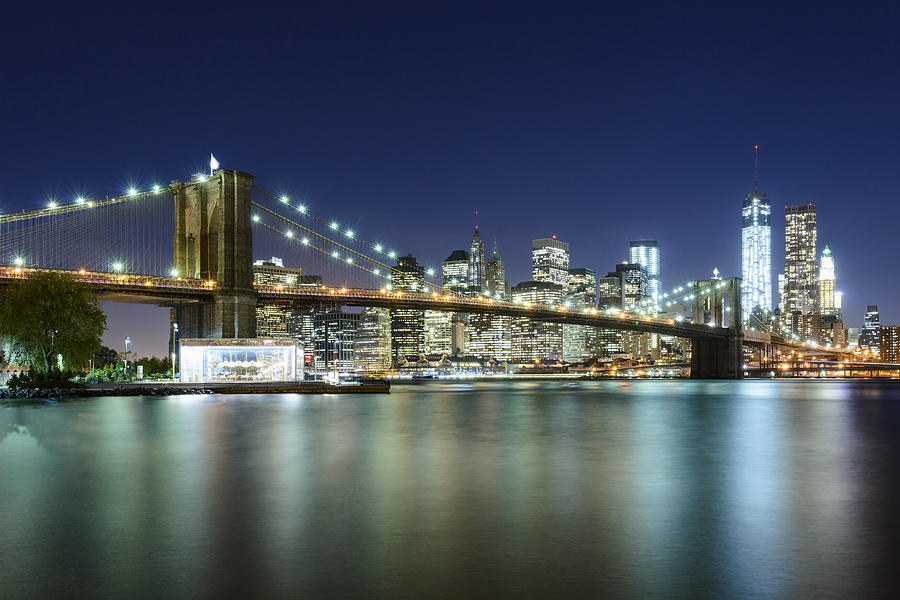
(717, 303)
(214, 241)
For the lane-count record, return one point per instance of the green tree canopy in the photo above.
(46, 315)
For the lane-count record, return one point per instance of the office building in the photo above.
(273, 321)
(609, 299)
(889, 343)
(634, 286)
(334, 334)
(853, 334)
(489, 337)
(495, 276)
(581, 293)
(535, 341)
(801, 273)
(444, 333)
(407, 325)
(476, 263)
(871, 331)
(455, 272)
(756, 247)
(550, 261)
(646, 254)
(372, 345)
(828, 303)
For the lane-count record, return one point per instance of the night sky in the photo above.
(597, 125)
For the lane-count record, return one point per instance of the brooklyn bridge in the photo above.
(190, 245)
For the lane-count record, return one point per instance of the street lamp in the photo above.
(125, 373)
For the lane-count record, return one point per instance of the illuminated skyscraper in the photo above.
(489, 335)
(407, 325)
(889, 343)
(756, 248)
(476, 263)
(536, 341)
(274, 320)
(495, 275)
(801, 273)
(869, 337)
(550, 261)
(581, 293)
(334, 335)
(646, 254)
(828, 303)
(455, 271)
(372, 346)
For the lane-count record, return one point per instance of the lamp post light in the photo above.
(125, 373)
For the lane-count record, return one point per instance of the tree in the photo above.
(49, 315)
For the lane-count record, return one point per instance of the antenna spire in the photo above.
(756, 169)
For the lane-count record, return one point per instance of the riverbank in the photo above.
(175, 389)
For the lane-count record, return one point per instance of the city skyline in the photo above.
(556, 136)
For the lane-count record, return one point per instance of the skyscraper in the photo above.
(828, 303)
(889, 343)
(455, 271)
(536, 341)
(407, 325)
(489, 336)
(495, 275)
(635, 289)
(550, 261)
(870, 334)
(646, 254)
(372, 348)
(334, 335)
(476, 263)
(801, 280)
(274, 320)
(609, 298)
(756, 247)
(581, 293)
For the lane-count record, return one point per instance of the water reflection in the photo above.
(614, 489)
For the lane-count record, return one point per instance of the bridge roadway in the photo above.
(127, 287)
(468, 304)
(122, 287)
(148, 289)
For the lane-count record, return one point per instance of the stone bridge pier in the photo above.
(214, 241)
(717, 303)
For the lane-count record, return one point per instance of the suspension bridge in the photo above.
(190, 246)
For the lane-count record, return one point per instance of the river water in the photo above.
(640, 489)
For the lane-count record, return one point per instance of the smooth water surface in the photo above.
(643, 489)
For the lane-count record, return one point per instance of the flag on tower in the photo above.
(213, 163)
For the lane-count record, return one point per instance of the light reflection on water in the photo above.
(615, 488)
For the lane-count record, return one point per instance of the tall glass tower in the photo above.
(756, 247)
(646, 254)
(828, 304)
(801, 287)
(476, 263)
